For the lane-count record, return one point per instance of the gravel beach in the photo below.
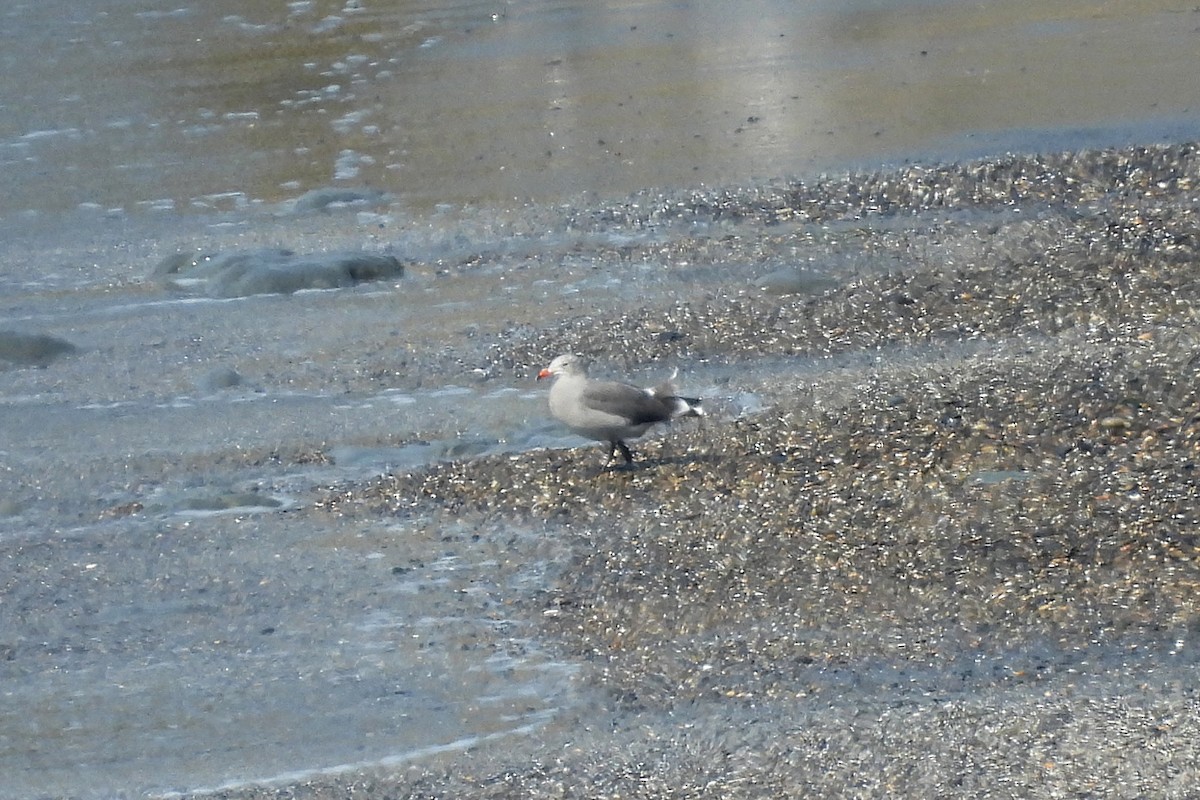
(284, 513)
(951, 551)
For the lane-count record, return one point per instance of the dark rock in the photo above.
(32, 349)
(273, 272)
(220, 378)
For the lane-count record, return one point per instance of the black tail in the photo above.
(677, 406)
(685, 406)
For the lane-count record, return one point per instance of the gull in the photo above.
(610, 411)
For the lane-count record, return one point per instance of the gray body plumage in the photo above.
(610, 411)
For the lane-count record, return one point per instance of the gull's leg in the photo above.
(612, 453)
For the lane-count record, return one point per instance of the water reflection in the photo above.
(223, 104)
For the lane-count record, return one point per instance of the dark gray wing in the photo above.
(623, 400)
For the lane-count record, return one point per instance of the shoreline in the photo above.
(961, 560)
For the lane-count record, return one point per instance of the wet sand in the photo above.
(955, 554)
(934, 539)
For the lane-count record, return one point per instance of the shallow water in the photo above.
(224, 105)
(188, 649)
(175, 612)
